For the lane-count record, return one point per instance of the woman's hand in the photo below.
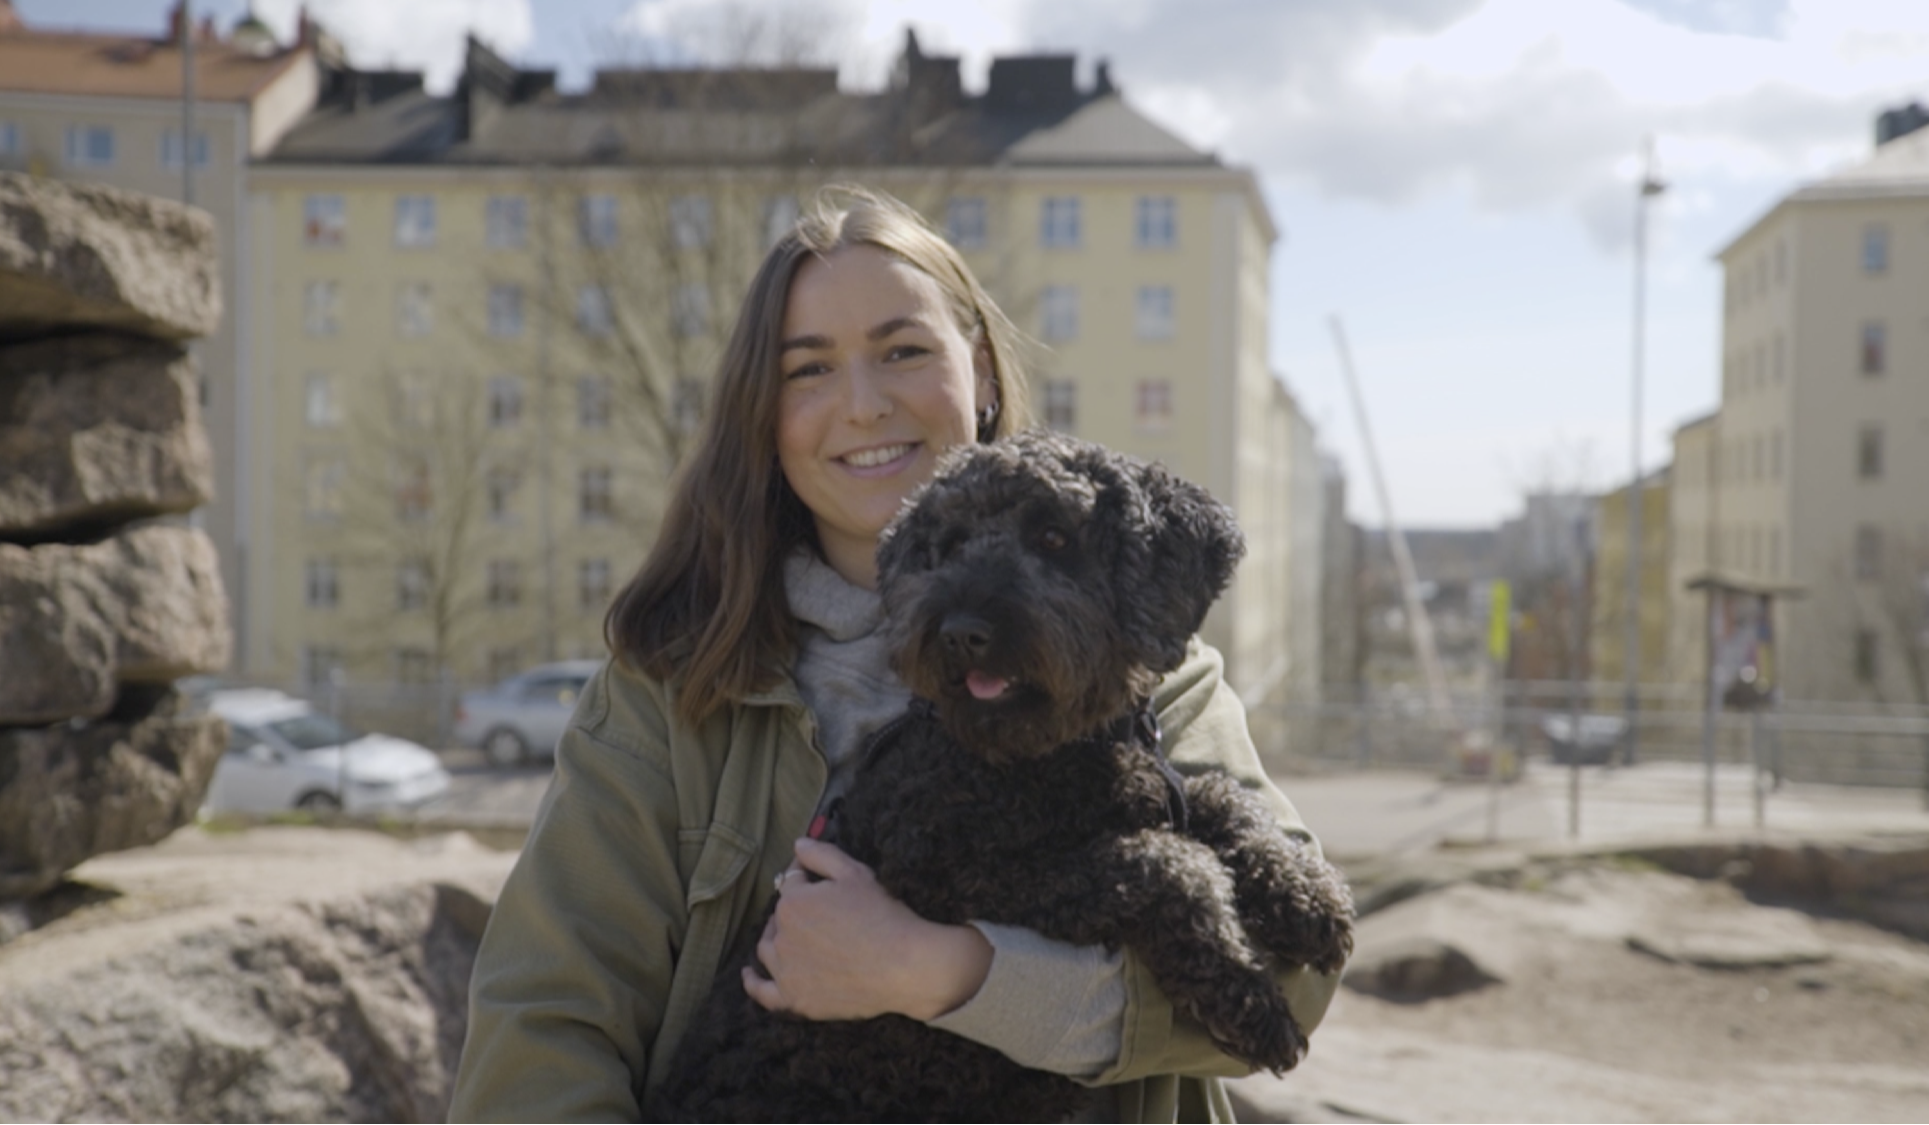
(842, 948)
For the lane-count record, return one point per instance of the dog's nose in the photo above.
(966, 635)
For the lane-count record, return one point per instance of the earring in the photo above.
(987, 419)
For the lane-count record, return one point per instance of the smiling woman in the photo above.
(750, 670)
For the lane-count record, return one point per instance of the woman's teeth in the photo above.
(870, 458)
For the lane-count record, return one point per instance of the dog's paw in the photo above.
(1254, 1026)
(1313, 927)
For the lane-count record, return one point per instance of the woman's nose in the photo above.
(866, 397)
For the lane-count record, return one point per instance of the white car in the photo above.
(284, 754)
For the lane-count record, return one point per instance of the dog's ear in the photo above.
(1192, 545)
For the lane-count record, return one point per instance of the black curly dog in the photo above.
(1036, 591)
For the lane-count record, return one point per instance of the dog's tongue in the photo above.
(982, 686)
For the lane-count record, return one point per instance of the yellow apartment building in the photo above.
(1822, 450)
(107, 108)
(1693, 518)
(1607, 637)
(487, 323)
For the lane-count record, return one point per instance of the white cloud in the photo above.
(1513, 104)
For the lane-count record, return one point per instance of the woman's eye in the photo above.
(905, 351)
(806, 370)
(1053, 539)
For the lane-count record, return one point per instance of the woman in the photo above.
(748, 672)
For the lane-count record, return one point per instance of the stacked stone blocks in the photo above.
(107, 596)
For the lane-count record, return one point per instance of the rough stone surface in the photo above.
(318, 977)
(83, 257)
(72, 791)
(144, 606)
(97, 429)
(1415, 969)
(1883, 881)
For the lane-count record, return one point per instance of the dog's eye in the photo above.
(1053, 539)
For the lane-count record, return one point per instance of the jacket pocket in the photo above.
(724, 853)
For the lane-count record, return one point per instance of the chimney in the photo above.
(9, 19)
(175, 16)
(1899, 122)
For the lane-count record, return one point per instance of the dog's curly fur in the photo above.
(1074, 577)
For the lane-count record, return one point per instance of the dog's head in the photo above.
(1038, 586)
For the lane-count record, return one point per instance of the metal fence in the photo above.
(1801, 741)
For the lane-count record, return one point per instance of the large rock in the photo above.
(1883, 881)
(69, 792)
(96, 429)
(286, 974)
(145, 606)
(84, 257)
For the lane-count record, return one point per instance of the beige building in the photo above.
(1693, 521)
(1607, 635)
(488, 318)
(107, 109)
(1822, 449)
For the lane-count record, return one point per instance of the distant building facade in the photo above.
(1820, 460)
(492, 317)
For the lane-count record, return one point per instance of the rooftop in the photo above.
(1031, 113)
(134, 65)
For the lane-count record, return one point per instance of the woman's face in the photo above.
(878, 381)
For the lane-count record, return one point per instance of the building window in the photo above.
(1759, 450)
(505, 401)
(1875, 249)
(9, 139)
(505, 311)
(171, 149)
(412, 585)
(322, 489)
(1781, 360)
(965, 222)
(596, 221)
(324, 220)
(1774, 551)
(505, 222)
(504, 583)
(1781, 263)
(690, 222)
(594, 314)
(1865, 656)
(414, 490)
(1157, 227)
(321, 308)
(412, 666)
(593, 585)
(501, 485)
(1058, 313)
(690, 310)
(321, 404)
(414, 221)
(90, 146)
(1155, 404)
(594, 503)
(1058, 224)
(593, 402)
(780, 215)
(1155, 317)
(1868, 453)
(1868, 552)
(1775, 455)
(414, 310)
(324, 590)
(1875, 347)
(1061, 405)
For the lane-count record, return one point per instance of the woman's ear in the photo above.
(987, 374)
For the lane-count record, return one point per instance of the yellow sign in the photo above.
(1498, 633)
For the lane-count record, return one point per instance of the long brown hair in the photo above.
(707, 609)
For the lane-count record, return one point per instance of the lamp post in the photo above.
(1649, 187)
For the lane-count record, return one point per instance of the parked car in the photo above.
(524, 715)
(284, 754)
(1602, 737)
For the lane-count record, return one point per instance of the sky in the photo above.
(1454, 179)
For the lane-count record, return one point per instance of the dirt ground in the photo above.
(1624, 994)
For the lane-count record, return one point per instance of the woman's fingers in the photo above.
(827, 860)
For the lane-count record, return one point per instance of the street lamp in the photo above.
(1650, 186)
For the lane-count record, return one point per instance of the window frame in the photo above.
(1061, 223)
(1155, 222)
(415, 221)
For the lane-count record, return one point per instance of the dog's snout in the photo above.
(966, 635)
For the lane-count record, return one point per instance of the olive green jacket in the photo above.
(653, 854)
